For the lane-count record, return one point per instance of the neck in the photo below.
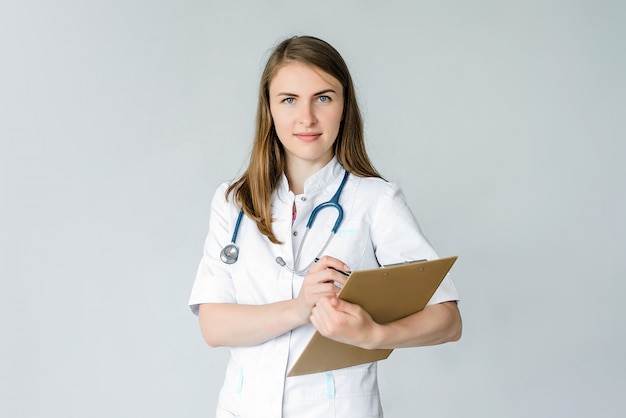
(298, 173)
(296, 180)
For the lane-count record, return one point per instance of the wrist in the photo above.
(301, 312)
(377, 337)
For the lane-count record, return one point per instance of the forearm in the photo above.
(225, 324)
(436, 324)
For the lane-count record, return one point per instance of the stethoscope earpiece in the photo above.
(281, 262)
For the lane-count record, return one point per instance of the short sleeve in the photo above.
(213, 283)
(397, 238)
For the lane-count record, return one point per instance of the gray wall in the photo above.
(503, 122)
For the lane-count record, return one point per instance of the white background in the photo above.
(502, 121)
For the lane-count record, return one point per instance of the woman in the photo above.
(267, 304)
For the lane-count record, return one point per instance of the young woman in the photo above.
(266, 281)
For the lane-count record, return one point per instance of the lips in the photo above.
(307, 136)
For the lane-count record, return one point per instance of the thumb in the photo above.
(341, 305)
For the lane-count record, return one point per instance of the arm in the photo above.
(395, 239)
(349, 323)
(435, 324)
(229, 324)
(224, 322)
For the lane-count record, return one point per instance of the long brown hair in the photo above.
(254, 188)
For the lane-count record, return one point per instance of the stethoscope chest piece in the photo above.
(229, 254)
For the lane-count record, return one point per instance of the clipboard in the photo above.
(387, 294)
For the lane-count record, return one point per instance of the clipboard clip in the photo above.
(404, 262)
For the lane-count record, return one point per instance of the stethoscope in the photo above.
(230, 253)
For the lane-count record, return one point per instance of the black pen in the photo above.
(345, 273)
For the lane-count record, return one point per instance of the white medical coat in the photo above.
(378, 228)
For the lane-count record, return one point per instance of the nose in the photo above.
(307, 115)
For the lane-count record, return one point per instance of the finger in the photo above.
(338, 278)
(326, 289)
(328, 276)
(322, 311)
(348, 308)
(326, 319)
(324, 304)
(327, 262)
(317, 322)
(321, 291)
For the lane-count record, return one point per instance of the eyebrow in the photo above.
(319, 93)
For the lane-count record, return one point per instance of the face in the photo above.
(307, 108)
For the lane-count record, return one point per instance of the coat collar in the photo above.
(315, 183)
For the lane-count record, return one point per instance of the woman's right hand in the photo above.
(323, 280)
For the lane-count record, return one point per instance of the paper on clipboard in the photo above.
(387, 294)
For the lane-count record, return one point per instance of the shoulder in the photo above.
(376, 187)
(220, 199)
(376, 196)
(221, 189)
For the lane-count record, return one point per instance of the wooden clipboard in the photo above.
(387, 294)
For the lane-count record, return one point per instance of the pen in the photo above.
(345, 273)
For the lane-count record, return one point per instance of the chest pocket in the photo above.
(351, 244)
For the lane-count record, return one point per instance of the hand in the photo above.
(344, 322)
(320, 282)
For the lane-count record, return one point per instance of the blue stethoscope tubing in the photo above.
(332, 203)
(230, 253)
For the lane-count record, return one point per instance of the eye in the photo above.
(289, 100)
(323, 99)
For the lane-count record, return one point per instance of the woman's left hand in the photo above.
(344, 322)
